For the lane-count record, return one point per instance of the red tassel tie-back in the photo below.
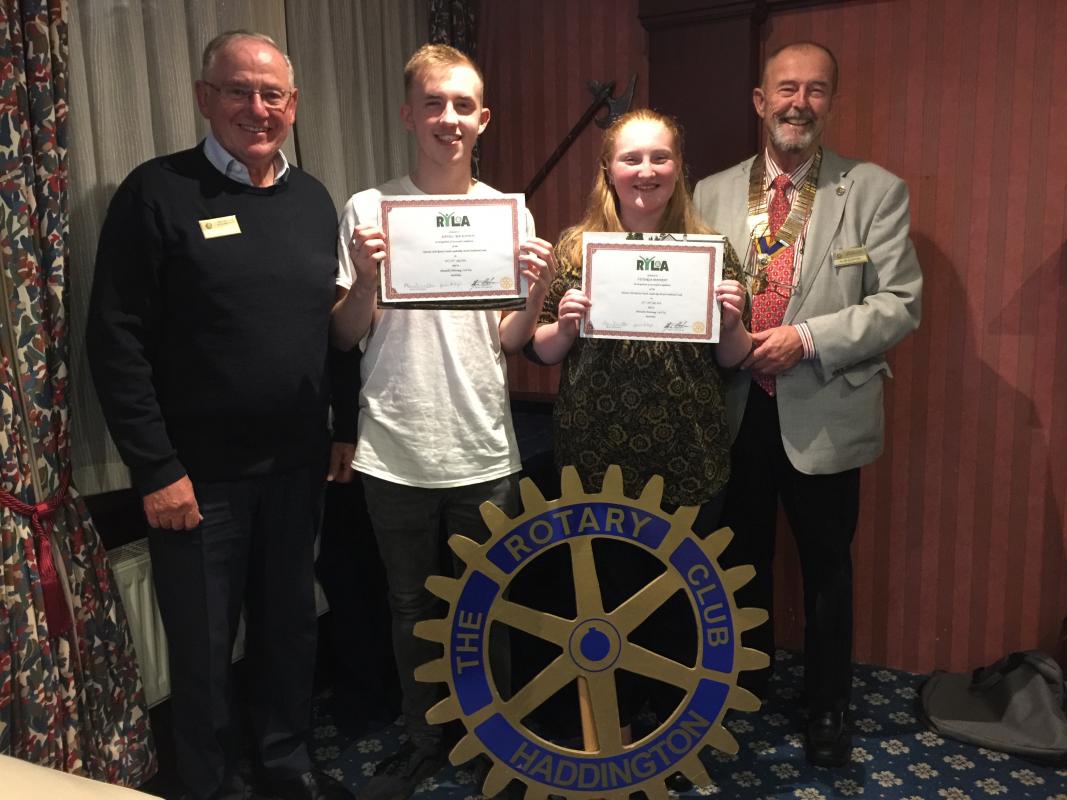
(56, 609)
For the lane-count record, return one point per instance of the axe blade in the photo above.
(617, 106)
(602, 97)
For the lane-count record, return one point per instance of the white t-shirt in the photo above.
(434, 408)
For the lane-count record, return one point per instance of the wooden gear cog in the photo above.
(594, 645)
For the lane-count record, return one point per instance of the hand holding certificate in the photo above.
(453, 249)
(652, 289)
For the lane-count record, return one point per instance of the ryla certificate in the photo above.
(659, 287)
(452, 248)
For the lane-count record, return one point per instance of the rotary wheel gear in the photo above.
(594, 645)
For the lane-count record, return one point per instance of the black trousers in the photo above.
(366, 685)
(822, 511)
(670, 631)
(254, 547)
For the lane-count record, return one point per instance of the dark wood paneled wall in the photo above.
(701, 56)
(537, 56)
(961, 554)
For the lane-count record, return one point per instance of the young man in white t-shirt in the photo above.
(435, 431)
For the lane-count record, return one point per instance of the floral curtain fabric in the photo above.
(454, 22)
(70, 693)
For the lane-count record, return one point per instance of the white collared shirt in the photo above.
(233, 169)
(796, 178)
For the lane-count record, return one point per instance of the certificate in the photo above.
(659, 287)
(457, 248)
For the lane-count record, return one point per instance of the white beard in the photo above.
(789, 139)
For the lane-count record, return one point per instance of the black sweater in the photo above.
(209, 355)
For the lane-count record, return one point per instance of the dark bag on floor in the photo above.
(1015, 705)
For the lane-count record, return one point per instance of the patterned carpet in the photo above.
(895, 756)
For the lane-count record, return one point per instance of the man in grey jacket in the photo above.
(835, 283)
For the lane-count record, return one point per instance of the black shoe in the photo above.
(677, 782)
(828, 741)
(396, 777)
(311, 785)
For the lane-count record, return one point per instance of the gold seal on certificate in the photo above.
(659, 287)
(453, 248)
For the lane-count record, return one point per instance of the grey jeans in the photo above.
(411, 525)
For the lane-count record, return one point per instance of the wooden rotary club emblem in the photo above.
(594, 645)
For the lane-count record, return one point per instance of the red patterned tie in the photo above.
(768, 307)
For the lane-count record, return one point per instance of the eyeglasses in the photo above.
(755, 271)
(759, 283)
(275, 99)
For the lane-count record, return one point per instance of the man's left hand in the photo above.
(341, 455)
(775, 350)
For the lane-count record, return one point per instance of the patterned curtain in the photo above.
(70, 692)
(455, 22)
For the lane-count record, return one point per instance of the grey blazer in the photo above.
(831, 408)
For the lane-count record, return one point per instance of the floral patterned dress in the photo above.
(653, 408)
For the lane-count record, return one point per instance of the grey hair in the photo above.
(220, 42)
(801, 46)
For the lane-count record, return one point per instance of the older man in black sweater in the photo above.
(207, 339)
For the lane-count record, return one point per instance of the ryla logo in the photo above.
(593, 645)
(648, 262)
(452, 220)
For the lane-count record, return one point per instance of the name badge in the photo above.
(851, 256)
(220, 226)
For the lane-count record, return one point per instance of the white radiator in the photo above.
(133, 574)
(132, 567)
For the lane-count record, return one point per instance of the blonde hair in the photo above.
(602, 210)
(436, 57)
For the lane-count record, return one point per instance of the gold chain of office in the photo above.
(798, 212)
